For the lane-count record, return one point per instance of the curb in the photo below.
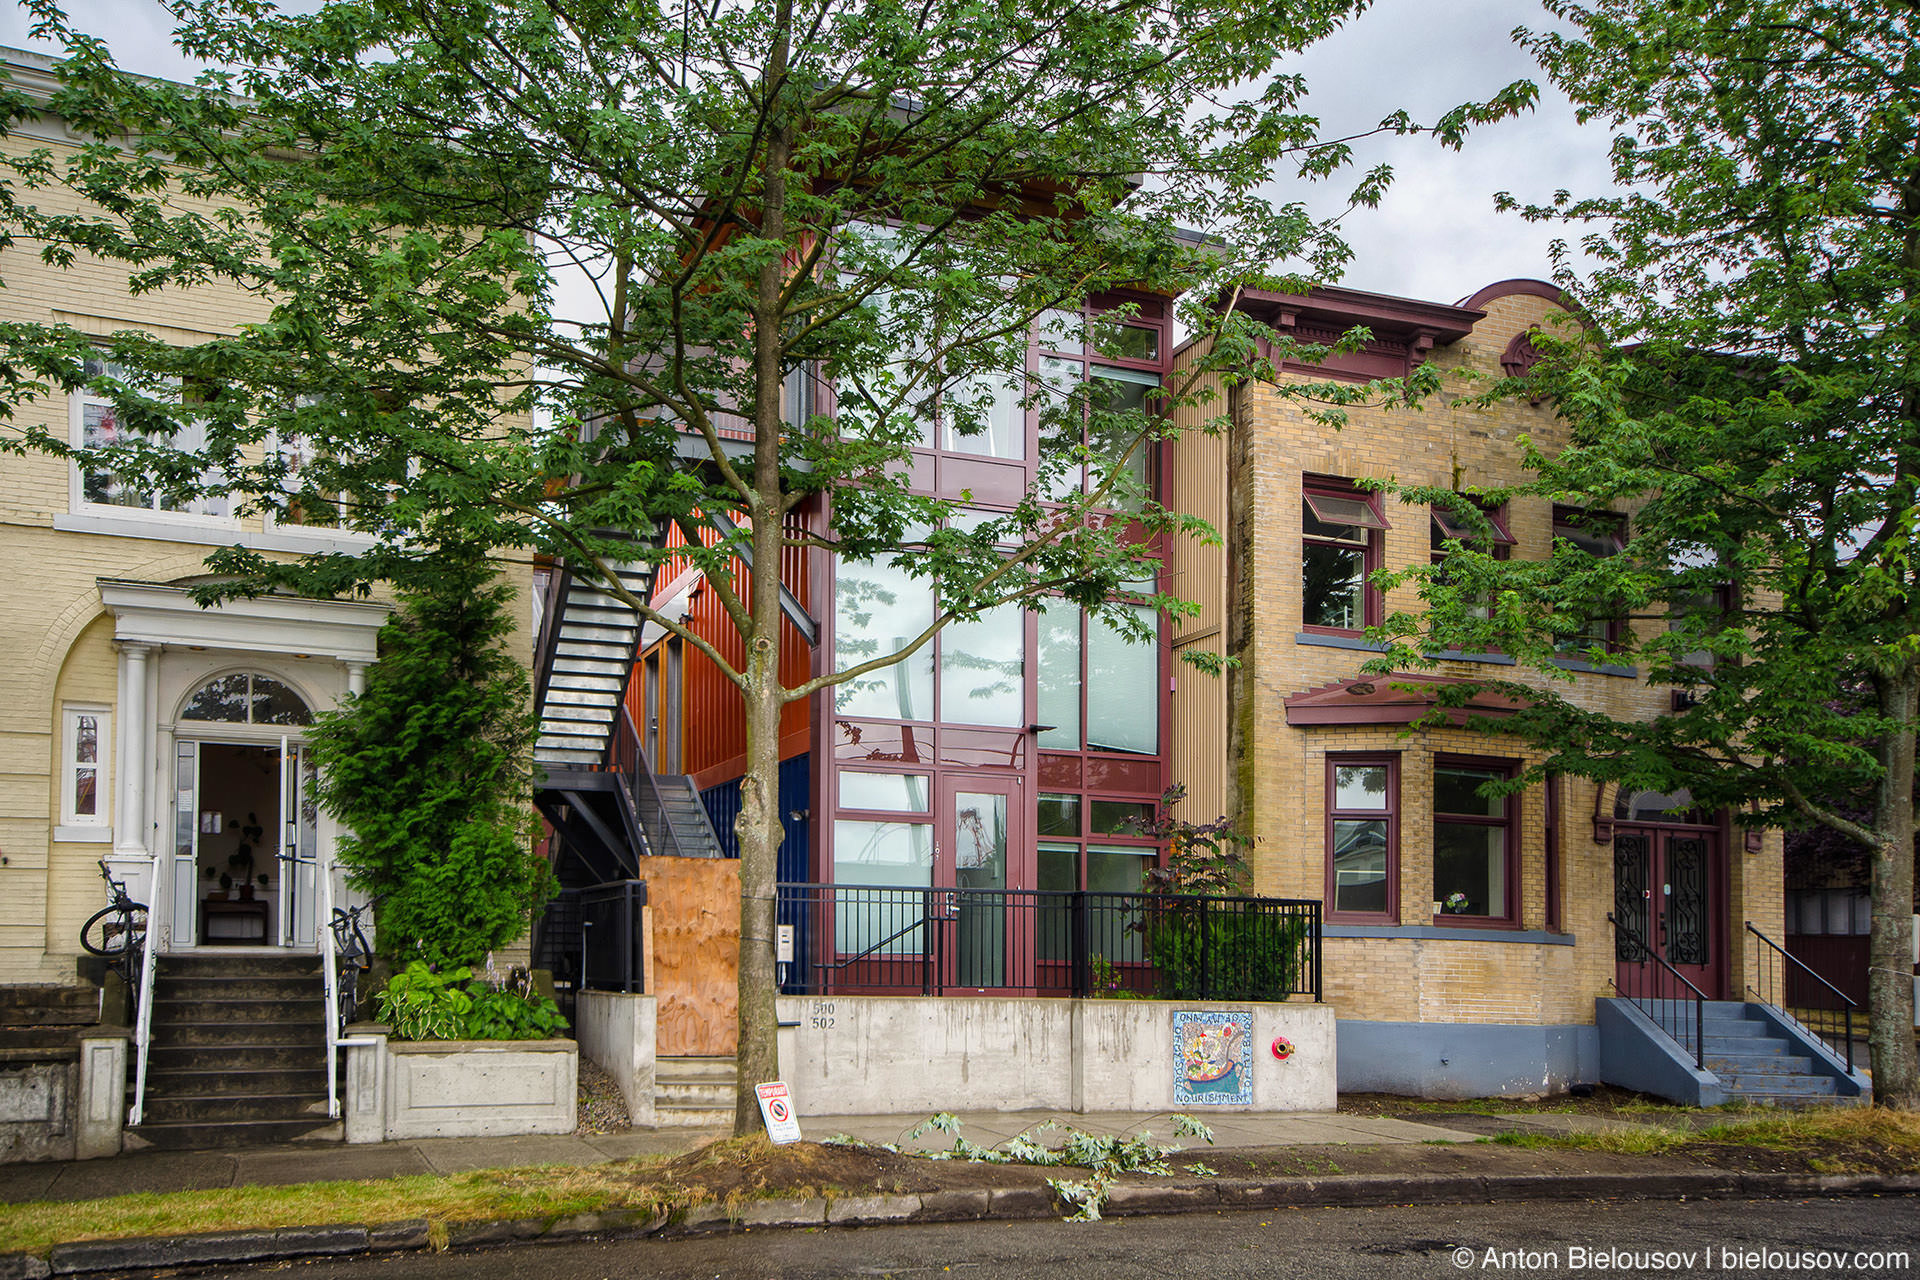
(152, 1253)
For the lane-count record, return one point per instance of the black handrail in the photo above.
(1660, 1018)
(1846, 1007)
(547, 643)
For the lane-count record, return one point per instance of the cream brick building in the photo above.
(1494, 991)
(134, 725)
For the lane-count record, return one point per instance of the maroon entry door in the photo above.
(1670, 889)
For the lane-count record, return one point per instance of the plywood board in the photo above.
(694, 953)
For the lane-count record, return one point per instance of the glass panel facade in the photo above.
(984, 416)
(878, 609)
(899, 792)
(1060, 678)
(1123, 702)
(983, 669)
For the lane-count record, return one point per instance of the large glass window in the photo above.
(1123, 695)
(881, 920)
(878, 609)
(1341, 530)
(983, 669)
(1473, 853)
(1117, 699)
(97, 423)
(1362, 835)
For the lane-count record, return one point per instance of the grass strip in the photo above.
(545, 1191)
(1839, 1129)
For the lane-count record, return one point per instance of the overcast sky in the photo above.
(1435, 236)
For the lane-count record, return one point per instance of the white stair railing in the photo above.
(160, 908)
(330, 975)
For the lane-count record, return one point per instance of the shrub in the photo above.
(430, 771)
(420, 1004)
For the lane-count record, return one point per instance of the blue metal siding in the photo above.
(723, 807)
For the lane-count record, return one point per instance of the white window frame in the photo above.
(95, 827)
(312, 536)
(77, 404)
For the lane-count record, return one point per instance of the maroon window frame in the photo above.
(1389, 816)
(1550, 853)
(1334, 503)
(1599, 533)
(1507, 822)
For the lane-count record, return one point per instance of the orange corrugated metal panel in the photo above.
(713, 743)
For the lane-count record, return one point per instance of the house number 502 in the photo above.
(822, 1015)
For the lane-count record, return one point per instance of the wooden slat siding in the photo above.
(713, 723)
(692, 955)
(1196, 484)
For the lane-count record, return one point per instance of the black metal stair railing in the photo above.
(1662, 992)
(1784, 983)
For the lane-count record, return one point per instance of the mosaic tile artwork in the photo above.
(1212, 1059)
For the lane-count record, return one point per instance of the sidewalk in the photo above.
(1265, 1161)
(326, 1162)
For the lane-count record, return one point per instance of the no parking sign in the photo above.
(776, 1109)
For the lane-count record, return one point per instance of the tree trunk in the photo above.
(758, 828)
(1890, 1048)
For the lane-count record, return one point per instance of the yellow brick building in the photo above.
(135, 726)
(1467, 941)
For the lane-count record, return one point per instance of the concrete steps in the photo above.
(1755, 1062)
(41, 1023)
(238, 1056)
(693, 1093)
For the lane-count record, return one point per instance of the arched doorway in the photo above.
(245, 830)
(1669, 890)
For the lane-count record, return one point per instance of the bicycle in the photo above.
(117, 933)
(353, 955)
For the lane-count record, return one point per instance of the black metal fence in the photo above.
(884, 939)
(612, 941)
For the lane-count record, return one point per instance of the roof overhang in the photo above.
(1391, 699)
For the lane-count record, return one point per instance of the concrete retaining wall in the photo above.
(65, 1104)
(883, 1055)
(1465, 1060)
(616, 1031)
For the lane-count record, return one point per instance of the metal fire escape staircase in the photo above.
(598, 789)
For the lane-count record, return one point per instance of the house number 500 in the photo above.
(822, 1016)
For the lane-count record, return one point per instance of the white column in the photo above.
(356, 678)
(130, 818)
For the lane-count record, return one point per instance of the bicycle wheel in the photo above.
(115, 932)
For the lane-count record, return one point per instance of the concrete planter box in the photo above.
(883, 1055)
(458, 1088)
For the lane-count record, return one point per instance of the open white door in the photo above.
(186, 842)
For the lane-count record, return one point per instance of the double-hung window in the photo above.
(97, 423)
(1598, 534)
(85, 777)
(1341, 531)
(1363, 836)
(1475, 861)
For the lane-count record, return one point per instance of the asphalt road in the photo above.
(1808, 1238)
